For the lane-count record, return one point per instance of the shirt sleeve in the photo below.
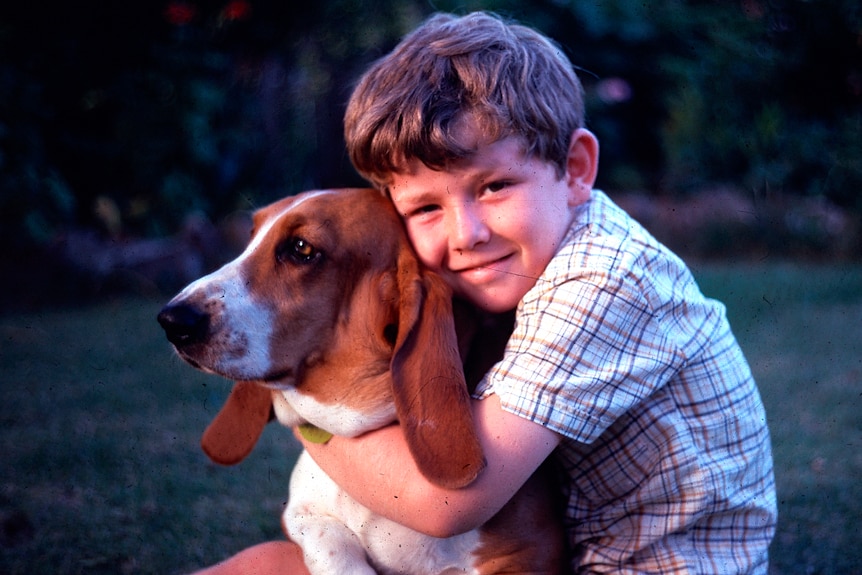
(584, 351)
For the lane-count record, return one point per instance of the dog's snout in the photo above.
(184, 324)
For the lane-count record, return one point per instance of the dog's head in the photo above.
(329, 307)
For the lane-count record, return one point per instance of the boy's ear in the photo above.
(582, 165)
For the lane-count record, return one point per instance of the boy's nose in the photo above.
(467, 227)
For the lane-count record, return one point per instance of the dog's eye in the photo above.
(296, 250)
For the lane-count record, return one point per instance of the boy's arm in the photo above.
(377, 470)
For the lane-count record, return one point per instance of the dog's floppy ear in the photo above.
(430, 393)
(236, 428)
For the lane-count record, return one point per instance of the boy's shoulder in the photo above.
(600, 229)
(600, 210)
(605, 239)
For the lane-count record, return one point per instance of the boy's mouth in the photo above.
(485, 267)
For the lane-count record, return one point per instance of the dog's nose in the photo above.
(184, 324)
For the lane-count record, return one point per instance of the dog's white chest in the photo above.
(338, 535)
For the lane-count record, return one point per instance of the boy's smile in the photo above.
(490, 223)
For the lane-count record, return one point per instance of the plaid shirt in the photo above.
(666, 452)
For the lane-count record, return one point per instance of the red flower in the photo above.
(236, 10)
(180, 13)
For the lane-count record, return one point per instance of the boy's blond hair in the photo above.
(511, 79)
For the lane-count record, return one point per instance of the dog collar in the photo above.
(314, 434)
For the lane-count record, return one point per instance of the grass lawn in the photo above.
(101, 472)
(99, 427)
(801, 327)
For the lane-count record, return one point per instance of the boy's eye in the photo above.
(496, 186)
(422, 210)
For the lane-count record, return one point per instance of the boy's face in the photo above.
(491, 223)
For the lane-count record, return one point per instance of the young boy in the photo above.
(618, 367)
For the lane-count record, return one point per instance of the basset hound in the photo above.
(329, 320)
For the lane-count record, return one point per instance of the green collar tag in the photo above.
(314, 434)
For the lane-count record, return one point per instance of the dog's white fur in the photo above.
(335, 533)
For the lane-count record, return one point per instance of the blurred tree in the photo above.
(128, 116)
(161, 109)
(767, 96)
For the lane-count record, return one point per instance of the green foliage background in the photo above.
(126, 116)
